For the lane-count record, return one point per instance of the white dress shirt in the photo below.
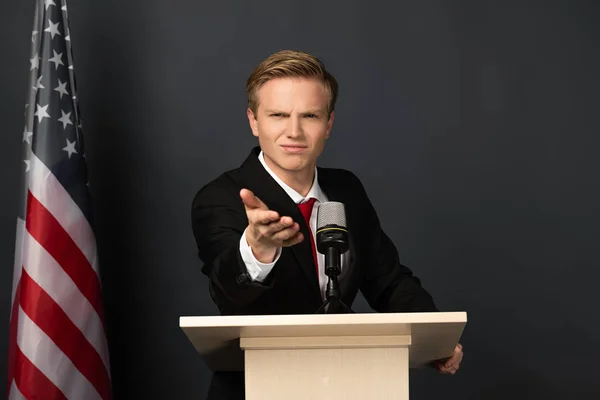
(259, 271)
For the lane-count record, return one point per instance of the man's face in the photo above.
(292, 123)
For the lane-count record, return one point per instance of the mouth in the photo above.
(293, 148)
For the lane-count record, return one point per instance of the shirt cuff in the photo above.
(258, 271)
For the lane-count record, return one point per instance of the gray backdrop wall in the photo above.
(473, 125)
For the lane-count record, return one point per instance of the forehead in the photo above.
(294, 93)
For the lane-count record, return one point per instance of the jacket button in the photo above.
(243, 278)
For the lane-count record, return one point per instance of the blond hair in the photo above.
(290, 63)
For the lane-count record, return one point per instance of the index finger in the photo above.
(250, 200)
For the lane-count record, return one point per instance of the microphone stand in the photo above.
(332, 303)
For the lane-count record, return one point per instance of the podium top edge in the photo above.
(323, 319)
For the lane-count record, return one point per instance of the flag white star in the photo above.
(62, 88)
(28, 165)
(33, 36)
(39, 84)
(50, 3)
(70, 148)
(68, 38)
(41, 112)
(57, 59)
(53, 28)
(27, 135)
(35, 62)
(64, 8)
(65, 119)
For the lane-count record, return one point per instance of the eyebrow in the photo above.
(311, 111)
(315, 111)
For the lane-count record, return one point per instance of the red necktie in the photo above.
(306, 209)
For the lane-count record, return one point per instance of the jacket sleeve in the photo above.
(388, 286)
(218, 222)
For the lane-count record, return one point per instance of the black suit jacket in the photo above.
(219, 220)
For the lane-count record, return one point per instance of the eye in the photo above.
(312, 116)
(276, 115)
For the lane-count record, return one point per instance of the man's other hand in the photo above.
(449, 366)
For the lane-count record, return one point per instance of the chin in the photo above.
(292, 165)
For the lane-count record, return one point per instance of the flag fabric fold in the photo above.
(57, 340)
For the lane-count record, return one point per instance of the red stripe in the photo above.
(55, 323)
(12, 335)
(32, 383)
(48, 232)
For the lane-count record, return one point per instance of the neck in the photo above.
(301, 185)
(300, 181)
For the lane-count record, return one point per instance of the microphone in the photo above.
(332, 235)
(332, 240)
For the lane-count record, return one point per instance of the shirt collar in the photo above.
(315, 190)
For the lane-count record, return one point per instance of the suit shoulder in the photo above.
(338, 173)
(224, 186)
(343, 176)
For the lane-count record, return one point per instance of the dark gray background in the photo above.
(473, 125)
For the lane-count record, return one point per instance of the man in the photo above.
(255, 225)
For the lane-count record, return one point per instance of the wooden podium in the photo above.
(325, 356)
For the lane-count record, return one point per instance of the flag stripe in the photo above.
(12, 332)
(14, 393)
(49, 191)
(56, 324)
(18, 256)
(62, 248)
(32, 383)
(51, 361)
(50, 276)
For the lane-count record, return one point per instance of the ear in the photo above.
(330, 124)
(252, 121)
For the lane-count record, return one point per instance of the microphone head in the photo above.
(331, 213)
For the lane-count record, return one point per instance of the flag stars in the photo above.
(49, 3)
(27, 135)
(39, 85)
(65, 119)
(57, 59)
(62, 88)
(52, 28)
(35, 62)
(41, 112)
(70, 148)
(27, 165)
(33, 36)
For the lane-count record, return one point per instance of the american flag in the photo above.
(57, 340)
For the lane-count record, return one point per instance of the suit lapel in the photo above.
(265, 188)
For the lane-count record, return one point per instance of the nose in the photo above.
(295, 129)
